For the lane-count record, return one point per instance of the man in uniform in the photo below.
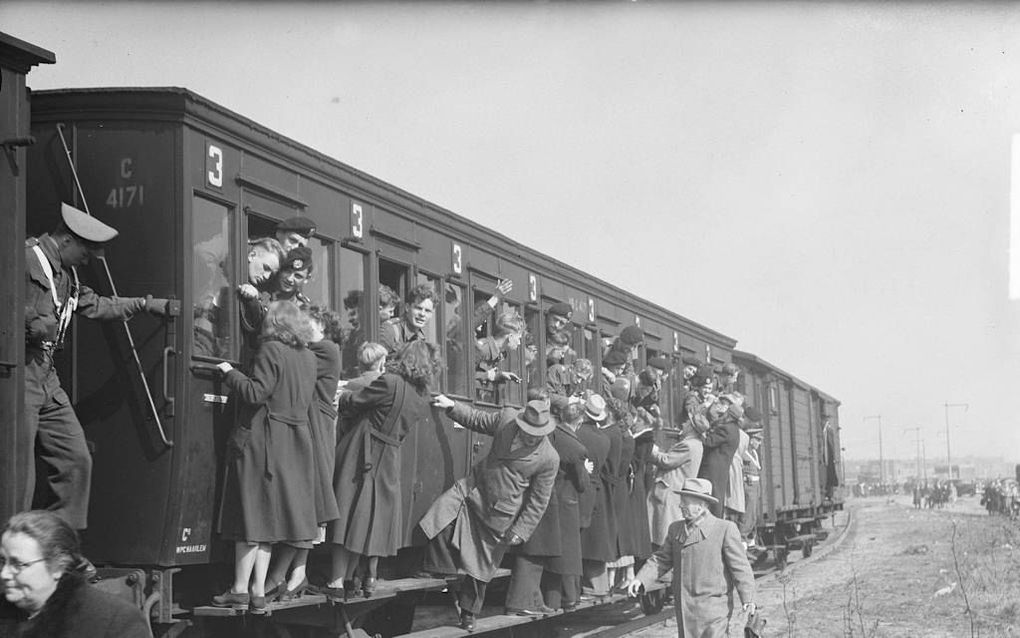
(418, 311)
(52, 294)
(558, 329)
(294, 232)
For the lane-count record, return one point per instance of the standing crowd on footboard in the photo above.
(575, 493)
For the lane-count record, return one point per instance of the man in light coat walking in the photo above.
(709, 566)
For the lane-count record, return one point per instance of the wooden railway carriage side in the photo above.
(188, 184)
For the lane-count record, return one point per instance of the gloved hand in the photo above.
(156, 306)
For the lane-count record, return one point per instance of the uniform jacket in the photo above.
(709, 564)
(41, 316)
(395, 332)
(75, 610)
(507, 491)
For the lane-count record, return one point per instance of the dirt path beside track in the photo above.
(899, 572)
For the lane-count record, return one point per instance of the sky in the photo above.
(828, 183)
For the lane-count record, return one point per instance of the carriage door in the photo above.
(394, 270)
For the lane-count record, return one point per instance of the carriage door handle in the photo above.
(170, 400)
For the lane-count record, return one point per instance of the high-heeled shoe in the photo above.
(291, 594)
(274, 589)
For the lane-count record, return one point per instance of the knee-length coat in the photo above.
(322, 418)
(709, 565)
(680, 461)
(625, 540)
(598, 540)
(367, 481)
(721, 443)
(597, 444)
(638, 505)
(558, 535)
(271, 466)
(735, 491)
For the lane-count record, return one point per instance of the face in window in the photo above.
(555, 323)
(290, 240)
(292, 280)
(419, 313)
(386, 312)
(261, 265)
(354, 317)
(513, 341)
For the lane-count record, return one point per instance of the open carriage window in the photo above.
(457, 351)
(212, 280)
(355, 305)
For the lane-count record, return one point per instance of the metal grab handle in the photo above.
(113, 288)
(171, 401)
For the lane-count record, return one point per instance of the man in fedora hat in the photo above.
(498, 504)
(52, 295)
(708, 563)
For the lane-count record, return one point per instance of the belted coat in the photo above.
(506, 493)
(709, 566)
(367, 482)
(322, 419)
(270, 486)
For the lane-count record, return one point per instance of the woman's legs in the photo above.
(244, 562)
(344, 563)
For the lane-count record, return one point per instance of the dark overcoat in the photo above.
(638, 504)
(270, 486)
(322, 418)
(598, 541)
(709, 566)
(367, 483)
(75, 610)
(558, 535)
(721, 443)
(506, 493)
(621, 494)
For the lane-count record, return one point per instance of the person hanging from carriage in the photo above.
(367, 483)
(498, 505)
(53, 294)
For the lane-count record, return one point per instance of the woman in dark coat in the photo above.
(367, 482)
(561, 578)
(598, 538)
(326, 332)
(271, 465)
(46, 595)
(721, 443)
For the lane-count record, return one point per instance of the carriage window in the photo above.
(510, 391)
(318, 288)
(211, 278)
(534, 365)
(455, 351)
(352, 285)
(394, 275)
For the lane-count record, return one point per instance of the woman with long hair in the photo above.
(367, 482)
(270, 459)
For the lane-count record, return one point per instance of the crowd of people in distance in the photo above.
(1002, 497)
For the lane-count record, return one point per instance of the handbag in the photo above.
(755, 627)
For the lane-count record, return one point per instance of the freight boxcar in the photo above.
(800, 454)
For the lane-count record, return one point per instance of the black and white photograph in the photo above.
(526, 318)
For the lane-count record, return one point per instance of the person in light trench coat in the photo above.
(709, 567)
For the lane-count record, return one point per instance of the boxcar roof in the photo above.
(180, 104)
(755, 359)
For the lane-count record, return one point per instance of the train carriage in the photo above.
(800, 454)
(189, 183)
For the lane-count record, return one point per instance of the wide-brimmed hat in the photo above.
(595, 408)
(698, 488)
(534, 419)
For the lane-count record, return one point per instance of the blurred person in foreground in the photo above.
(708, 563)
(46, 595)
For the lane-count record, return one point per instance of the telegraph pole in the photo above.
(949, 457)
(881, 459)
(920, 453)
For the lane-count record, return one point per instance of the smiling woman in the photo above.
(45, 593)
